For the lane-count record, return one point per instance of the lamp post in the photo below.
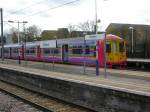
(18, 22)
(19, 50)
(85, 33)
(55, 37)
(96, 16)
(132, 41)
(2, 38)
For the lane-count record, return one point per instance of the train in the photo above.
(79, 50)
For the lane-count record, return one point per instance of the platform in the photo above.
(138, 60)
(97, 93)
(79, 70)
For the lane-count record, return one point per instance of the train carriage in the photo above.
(87, 49)
(50, 52)
(77, 50)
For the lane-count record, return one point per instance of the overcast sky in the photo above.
(48, 15)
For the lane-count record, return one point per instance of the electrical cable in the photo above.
(20, 10)
(61, 5)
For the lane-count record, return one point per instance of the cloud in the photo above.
(40, 12)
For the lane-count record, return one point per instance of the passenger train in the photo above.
(72, 50)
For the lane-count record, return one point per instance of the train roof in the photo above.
(12, 45)
(32, 43)
(48, 44)
(113, 37)
(90, 39)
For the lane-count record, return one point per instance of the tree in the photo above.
(14, 35)
(33, 33)
(48, 34)
(62, 33)
(4, 39)
(78, 30)
(86, 26)
(71, 28)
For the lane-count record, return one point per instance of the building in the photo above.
(136, 34)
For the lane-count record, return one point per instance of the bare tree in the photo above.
(13, 35)
(33, 33)
(72, 27)
(86, 26)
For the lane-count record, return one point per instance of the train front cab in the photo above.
(116, 53)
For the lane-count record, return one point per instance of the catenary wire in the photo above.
(20, 10)
(61, 5)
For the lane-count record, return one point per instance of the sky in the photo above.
(53, 14)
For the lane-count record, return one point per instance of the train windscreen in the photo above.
(121, 46)
(108, 47)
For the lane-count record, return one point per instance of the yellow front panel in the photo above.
(116, 55)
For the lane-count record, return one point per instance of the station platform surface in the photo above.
(138, 60)
(125, 74)
(136, 86)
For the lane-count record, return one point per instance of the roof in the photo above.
(136, 26)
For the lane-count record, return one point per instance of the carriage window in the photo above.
(30, 51)
(87, 50)
(95, 51)
(6, 50)
(80, 47)
(46, 51)
(56, 51)
(108, 47)
(15, 50)
(121, 46)
(27, 51)
(76, 51)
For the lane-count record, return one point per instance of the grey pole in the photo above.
(84, 56)
(18, 33)
(105, 66)
(132, 49)
(2, 38)
(84, 66)
(96, 16)
(132, 40)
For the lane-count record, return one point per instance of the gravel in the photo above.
(11, 104)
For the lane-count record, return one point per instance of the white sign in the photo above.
(95, 37)
(48, 44)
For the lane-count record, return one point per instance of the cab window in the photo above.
(121, 46)
(108, 47)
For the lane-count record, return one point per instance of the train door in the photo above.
(115, 51)
(0, 52)
(38, 53)
(65, 53)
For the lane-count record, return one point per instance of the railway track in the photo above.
(42, 102)
(8, 103)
